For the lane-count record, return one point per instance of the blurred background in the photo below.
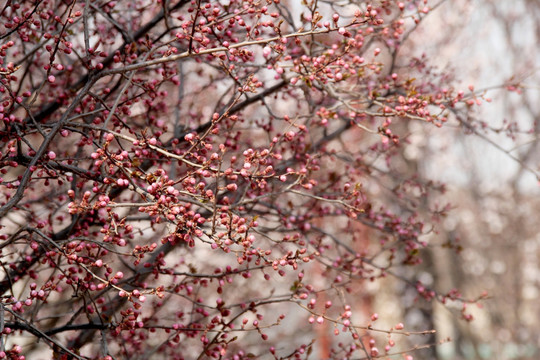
(490, 163)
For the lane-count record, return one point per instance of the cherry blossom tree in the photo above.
(225, 179)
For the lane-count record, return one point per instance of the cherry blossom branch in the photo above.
(188, 54)
(41, 151)
(23, 324)
(368, 327)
